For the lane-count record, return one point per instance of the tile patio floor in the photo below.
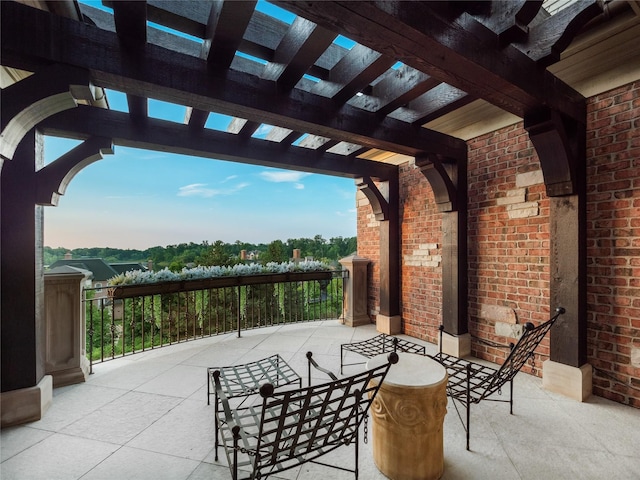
(146, 417)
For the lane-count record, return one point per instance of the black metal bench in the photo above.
(290, 427)
(471, 382)
(377, 345)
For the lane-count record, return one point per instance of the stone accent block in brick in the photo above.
(523, 210)
(527, 179)
(517, 195)
(498, 313)
(635, 357)
(423, 257)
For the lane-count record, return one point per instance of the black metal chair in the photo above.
(245, 380)
(377, 345)
(471, 382)
(291, 427)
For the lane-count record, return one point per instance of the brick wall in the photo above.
(368, 246)
(613, 246)
(508, 238)
(420, 255)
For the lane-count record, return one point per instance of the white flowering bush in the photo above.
(139, 277)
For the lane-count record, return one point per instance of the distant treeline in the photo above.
(218, 253)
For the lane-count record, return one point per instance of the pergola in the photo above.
(420, 77)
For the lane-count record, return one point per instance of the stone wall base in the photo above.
(573, 382)
(70, 376)
(457, 346)
(357, 320)
(26, 404)
(389, 325)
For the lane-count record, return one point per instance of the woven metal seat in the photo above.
(292, 427)
(245, 380)
(471, 382)
(377, 345)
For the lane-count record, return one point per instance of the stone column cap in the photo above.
(354, 259)
(69, 271)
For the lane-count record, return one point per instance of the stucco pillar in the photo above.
(65, 351)
(354, 309)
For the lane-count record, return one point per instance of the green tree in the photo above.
(218, 254)
(276, 252)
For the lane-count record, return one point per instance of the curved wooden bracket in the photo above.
(549, 38)
(379, 204)
(558, 141)
(52, 180)
(441, 178)
(28, 102)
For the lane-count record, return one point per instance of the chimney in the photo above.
(243, 254)
(296, 254)
(150, 265)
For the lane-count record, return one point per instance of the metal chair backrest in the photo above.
(520, 353)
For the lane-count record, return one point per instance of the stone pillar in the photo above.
(65, 325)
(354, 309)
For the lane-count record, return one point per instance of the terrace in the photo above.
(146, 417)
(494, 149)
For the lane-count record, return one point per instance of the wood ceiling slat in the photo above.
(130, 19)
(353, 73)
(462, 53)
(436, 100)
(162, 135)
(302, 45)
(314, 142)
(196, 119)
(188, 17)
(235, 93)
(226, 25)
(105, 21)
(225, 29)
(248, 129)
(131, 22)
(395, 89)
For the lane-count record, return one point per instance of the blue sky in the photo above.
(140, 199)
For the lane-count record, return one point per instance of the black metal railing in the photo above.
(124, 320)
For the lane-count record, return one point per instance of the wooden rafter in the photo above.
(448, 50)
(300, 48)
(234, 93)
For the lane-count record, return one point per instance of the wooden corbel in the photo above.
(43, 94)
(443, 178)
(558, 141)
(379, 204)
(52, 180)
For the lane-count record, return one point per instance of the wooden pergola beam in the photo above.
(162, 135)
(460, 52)
(234, 93)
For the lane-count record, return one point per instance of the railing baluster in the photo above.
(215, 310)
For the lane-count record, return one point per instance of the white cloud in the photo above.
(299, 186)
(277, 176)
(201, 190)
(230, 177)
